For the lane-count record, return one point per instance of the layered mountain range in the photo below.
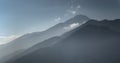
(28, 40)
(92, 42)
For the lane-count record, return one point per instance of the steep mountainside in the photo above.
(93, 42)
(28, 40)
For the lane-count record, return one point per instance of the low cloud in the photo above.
(72, 26)
(7, 39)
(78, 7)
(57, 19)
(72, 11)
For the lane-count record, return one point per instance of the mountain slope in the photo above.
(28, 40)
(90, 43)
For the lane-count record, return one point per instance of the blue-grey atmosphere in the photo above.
(18, 17)
(59, 31)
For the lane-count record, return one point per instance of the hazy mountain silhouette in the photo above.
(93, 42)
(28, 40)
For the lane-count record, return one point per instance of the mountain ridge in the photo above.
(89, 43)
(28, 40)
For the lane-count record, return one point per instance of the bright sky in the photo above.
(18, 17)
(21, 16)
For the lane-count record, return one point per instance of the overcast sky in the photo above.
(23, 16)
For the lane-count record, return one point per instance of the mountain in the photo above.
(93, 42)
(112, 24)
(28, 40)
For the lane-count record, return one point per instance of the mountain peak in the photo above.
(81, 16)
(78, 19)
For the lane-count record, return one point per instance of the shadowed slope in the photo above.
(93, 42)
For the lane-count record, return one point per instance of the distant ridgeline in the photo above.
(93, 42)
(28, 40)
